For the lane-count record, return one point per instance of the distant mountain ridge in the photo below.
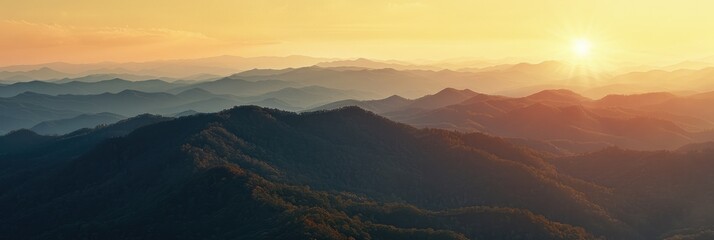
(179, 68)
(372, 64)
(43, 73)
(443, 98)
(562, 117)
(85, 88)
(394, 77)
(64, 126)
(29, 103)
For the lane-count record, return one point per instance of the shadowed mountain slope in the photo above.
(75, 87)
(662, 189)
(239, 87)
(246, 164)
(64, 126)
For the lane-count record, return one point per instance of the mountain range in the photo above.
(64, 126)
(180, 68)
(251, 172)
(393, 77)
(511, 80)
(78, 87)
(317, 148)
(29, 103)
(560, 119)
(563, 119)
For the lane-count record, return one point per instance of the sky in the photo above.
(81, 31)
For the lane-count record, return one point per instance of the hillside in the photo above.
(77, 87)
(560, 118)
(251, 172)
(64, 126)
(654, 184)
(266, 159)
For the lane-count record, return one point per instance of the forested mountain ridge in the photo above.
(261, 173)
(142, 177)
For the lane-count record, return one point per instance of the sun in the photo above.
(581, 47)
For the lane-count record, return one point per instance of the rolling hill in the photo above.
(42, 73)
(86, 88)
(64, 126)
(251, 172)
(179, 68)
(254, 172)
(562, 118)
(373, 64)
(58, 101)
(239, 87)
(17, 115)
(657, 184)
(445, 97)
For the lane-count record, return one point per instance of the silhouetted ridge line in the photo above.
(243, 159)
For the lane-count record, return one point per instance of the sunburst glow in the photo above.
(582, 47)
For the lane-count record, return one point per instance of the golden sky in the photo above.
(35, 31)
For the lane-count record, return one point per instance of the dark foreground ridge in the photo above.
(256, 173)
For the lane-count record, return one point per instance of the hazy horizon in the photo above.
(654, 64)
(642, 32)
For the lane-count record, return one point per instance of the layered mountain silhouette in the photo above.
(29, 103)
(413, 82)
(372, 64)
(562, 118)
(315, 148)
(76, 87)
(443, 98)
(42, 73)
(71, 144)
(389, 77)
(16, 115)
(228, 164)
(659, 184)
(103, 76)
(240, 87)
(314, 95)
(251, 172)
(180, 68)
(63, 126)
(658, 80)
(388, 81)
